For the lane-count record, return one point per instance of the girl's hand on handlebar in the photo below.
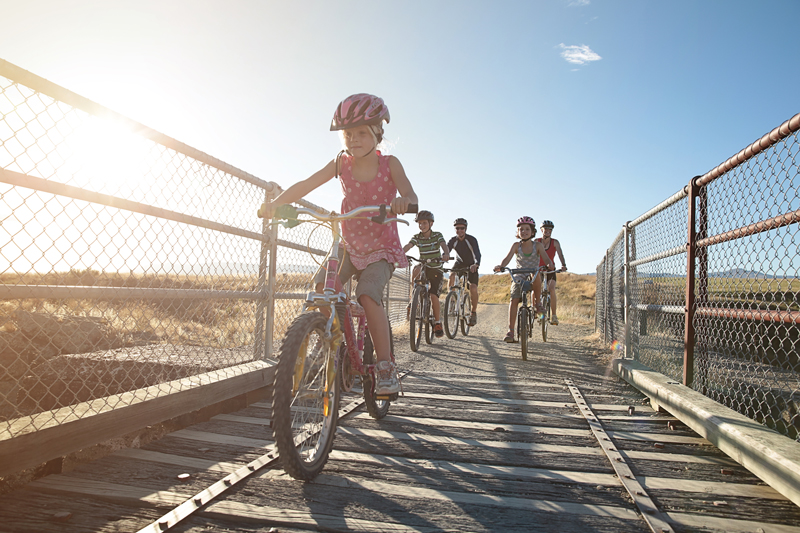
(498, 268)
(400, 205)
(267, 210)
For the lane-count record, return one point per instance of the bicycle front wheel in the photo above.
(465, 312)
(545, 316)
(451, 315)
(428, 321)
(305, 399)
(376, 408)
(522, 327)
(417, 318)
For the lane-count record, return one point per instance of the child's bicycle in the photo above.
(421, 315)
(525, 314)
(544, 318)
(320, 356)
(458, 305)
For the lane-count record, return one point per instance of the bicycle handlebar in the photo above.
(520, 270)
(426, 261)
(288, 214)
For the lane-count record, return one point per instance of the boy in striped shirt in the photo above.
(432, 247)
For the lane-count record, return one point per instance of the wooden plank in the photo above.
(471, 498)
(60, 484)
(714, 488)
(655, 483)
(450, 380)
(34, 440)
(650, 456)
(497, 401)
(728, 525)
(217, 438)
(484, 426)
(394, 435)
(477, 469)
(314, 521)
(657, 437)
(195, 463)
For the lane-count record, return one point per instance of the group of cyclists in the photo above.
(373, 249)
(434, 251)
(528, 252)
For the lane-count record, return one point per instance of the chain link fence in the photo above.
(704, 287)
(132, 269)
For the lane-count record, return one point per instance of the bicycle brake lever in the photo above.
(380, 218)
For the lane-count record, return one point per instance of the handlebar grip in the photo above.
(413, 208)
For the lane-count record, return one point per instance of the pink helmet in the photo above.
(359, 110)
(526, 220)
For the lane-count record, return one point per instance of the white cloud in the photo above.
(579, 55)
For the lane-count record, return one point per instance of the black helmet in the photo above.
(460, 222)
(548, 224)
(423, 215)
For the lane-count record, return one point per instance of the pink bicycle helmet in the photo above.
(526, 220)
(359, 110)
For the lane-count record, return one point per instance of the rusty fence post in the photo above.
(627, 292)
(688, 340)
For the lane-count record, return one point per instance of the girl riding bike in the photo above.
(373, 251)
(528, 253)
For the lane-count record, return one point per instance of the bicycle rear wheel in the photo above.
(522, 327)
(376, 408)
(546, 316)
(305, 399)
(451, 314)
(417, 318)
(465, 312)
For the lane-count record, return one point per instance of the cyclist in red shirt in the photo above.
(551, 246)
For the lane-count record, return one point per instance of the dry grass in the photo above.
(576, 295)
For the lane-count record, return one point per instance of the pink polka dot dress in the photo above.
(366, 241)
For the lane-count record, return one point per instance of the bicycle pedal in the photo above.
(385, 397)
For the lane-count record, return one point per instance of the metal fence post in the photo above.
(691, 250)
(626, 292)
(273, 269)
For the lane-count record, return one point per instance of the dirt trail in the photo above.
(572, 351)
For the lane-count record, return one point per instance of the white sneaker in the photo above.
(554, 320)
(387, 379)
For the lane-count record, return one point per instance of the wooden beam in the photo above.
(36, 439)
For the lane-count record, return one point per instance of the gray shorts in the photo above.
(371, 281)
(516, 285)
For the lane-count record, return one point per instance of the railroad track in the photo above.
(459, 452)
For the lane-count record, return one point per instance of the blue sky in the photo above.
(587, 113)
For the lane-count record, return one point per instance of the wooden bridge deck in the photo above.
(481, 441)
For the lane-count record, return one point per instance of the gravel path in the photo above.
(572, 351)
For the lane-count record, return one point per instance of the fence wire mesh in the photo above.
(744, 311)
(127, 262)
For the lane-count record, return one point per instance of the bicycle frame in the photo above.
(343, 310)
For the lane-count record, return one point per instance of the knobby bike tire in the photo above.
(416, 322)
(376, 408)
(523, 326)
(305, 397)
(465, 312)
(451, 314)
(545, 316)
(428, 321)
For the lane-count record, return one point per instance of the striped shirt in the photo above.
(429, 248)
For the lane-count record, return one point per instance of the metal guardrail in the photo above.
(705, 287)
(136, 283)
